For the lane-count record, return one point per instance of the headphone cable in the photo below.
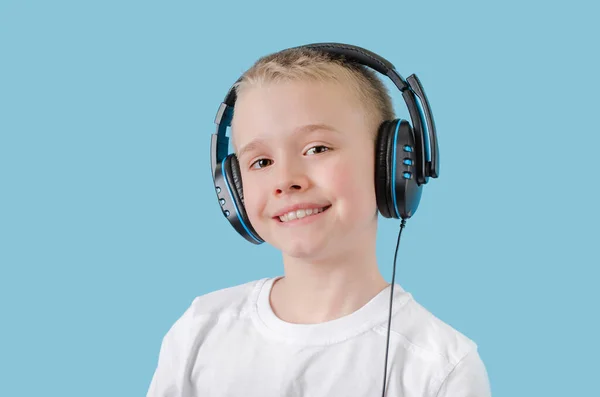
(387, 345)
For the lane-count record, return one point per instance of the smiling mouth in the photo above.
(300, 214)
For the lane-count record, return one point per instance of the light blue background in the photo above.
(109, 225)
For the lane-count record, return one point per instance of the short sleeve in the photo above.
(469, 378)
(164, 383)
(168, 377)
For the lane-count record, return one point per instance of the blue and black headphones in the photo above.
(406, 157)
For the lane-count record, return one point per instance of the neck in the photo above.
(315, 291)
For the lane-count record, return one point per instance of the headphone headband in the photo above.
(358, 55)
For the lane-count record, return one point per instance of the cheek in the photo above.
(354, 182)
(252, 197)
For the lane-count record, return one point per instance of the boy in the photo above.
(304, 133)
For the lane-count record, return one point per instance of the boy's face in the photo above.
(308, 144)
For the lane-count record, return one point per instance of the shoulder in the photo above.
(423, 332)
(235, 301)
(184, 338)
(452, 357)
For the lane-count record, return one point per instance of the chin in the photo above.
(303, 248)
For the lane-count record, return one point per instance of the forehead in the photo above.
(275, 110)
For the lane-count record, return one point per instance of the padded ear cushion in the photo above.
(234, 180)
(236, 175)
(383, 172)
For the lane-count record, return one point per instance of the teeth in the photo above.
(299, 214)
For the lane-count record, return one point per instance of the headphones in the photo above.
(405, 156)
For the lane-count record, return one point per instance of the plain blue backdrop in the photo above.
(109, 224)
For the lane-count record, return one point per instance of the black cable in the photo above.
(387, 345)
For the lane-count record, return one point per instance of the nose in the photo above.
(291, 177)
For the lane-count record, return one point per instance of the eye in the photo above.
(317, 149)
(261, 163)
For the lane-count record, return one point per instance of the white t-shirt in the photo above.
(230, 343)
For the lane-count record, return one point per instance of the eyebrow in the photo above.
(305, 129)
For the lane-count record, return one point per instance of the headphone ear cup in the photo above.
(383, 170)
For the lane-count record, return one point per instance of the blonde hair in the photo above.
(308, 64)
